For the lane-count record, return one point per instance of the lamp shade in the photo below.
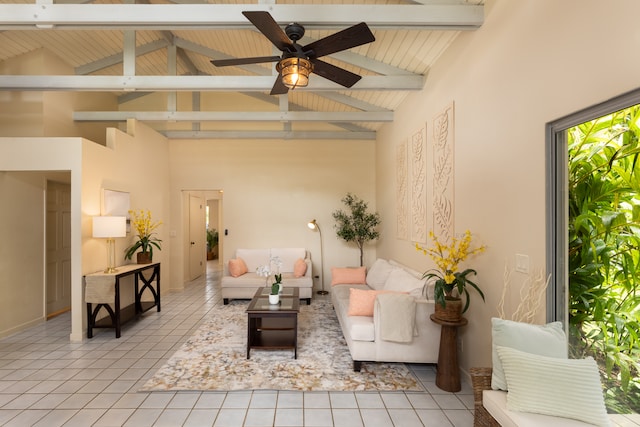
(295, 72)
(109, 226)
(312, 224)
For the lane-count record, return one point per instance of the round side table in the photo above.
(448, 373)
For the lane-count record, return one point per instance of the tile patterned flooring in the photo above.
(47, 381)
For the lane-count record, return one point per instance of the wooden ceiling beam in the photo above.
(20, 16)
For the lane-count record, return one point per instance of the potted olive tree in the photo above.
(356, 224)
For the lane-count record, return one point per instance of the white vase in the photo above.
(274, 299)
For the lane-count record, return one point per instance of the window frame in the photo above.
(557, 184)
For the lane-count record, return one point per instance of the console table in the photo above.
(103, 290)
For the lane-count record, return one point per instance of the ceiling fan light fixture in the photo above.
(295, 71)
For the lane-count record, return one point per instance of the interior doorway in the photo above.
(58, 248)
(214, 229)
(196, 236)
(203, 213)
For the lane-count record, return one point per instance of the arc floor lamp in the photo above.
(313, 224)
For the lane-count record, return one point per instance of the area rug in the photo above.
(215, 358)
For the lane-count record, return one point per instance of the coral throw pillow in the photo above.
(348, 276)
(299, 268)
(237, 267)
(361, 301)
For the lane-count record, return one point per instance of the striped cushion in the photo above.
(568, 388)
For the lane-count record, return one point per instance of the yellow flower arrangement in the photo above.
(448, 258)
(144, 226)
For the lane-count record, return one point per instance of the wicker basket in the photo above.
(481, 380)
(451, 312)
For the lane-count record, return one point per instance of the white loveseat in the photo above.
(244, 286)
(364, 333)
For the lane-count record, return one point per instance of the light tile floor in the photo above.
(47, 381)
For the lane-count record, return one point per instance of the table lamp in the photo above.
(110, 227)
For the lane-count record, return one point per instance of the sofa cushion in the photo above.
(237, 267)
(357, 328)
(568, 388)
(378, 273)
(348, 276)
(300, 268)
(544, 340)
(289, 279)
(400, 280)
(247, 280)
(495, 402)
(287, 257)
(361, 301)
(254, 258)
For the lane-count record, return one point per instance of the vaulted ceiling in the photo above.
(155, 57)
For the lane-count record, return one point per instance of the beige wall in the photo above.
(33, 113)
(531, 62)
(136, 162)
(24, 162)
(271, 190)
(21, 254)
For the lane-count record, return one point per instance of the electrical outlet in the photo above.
(522, 263)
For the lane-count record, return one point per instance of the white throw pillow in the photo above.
(378, 273)
(288, 258)
(544, 340)
(254, 258)
(401, 281)
(568, 388)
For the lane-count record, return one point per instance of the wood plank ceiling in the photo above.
(155, 58)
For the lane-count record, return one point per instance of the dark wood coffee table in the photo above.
(273, 326)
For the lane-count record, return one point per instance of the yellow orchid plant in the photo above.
(144, 226)
(448, 258)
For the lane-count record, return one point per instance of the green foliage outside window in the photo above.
(604, 252)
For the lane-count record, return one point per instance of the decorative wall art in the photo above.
(418, 182)
(402, 195)
(116, 203)
(442, 174)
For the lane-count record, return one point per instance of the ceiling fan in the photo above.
(297, 62)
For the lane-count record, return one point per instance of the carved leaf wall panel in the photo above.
(442, 174)
(418, 181)
(402, 195)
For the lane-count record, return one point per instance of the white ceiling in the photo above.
(168, 81)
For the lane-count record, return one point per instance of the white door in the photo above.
(197, 237)
(58, 243)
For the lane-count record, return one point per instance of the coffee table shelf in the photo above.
(273, 327)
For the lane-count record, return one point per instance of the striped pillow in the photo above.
(568, 388)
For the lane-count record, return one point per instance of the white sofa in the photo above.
(363, 333)
(245, 285)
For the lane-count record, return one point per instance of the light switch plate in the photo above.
(522, 263)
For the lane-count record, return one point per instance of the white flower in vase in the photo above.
(264, 271)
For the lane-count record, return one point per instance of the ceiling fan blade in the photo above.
(335, 74)
(278, 87)
(264, 22)
(244, 61)
(356, 35)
